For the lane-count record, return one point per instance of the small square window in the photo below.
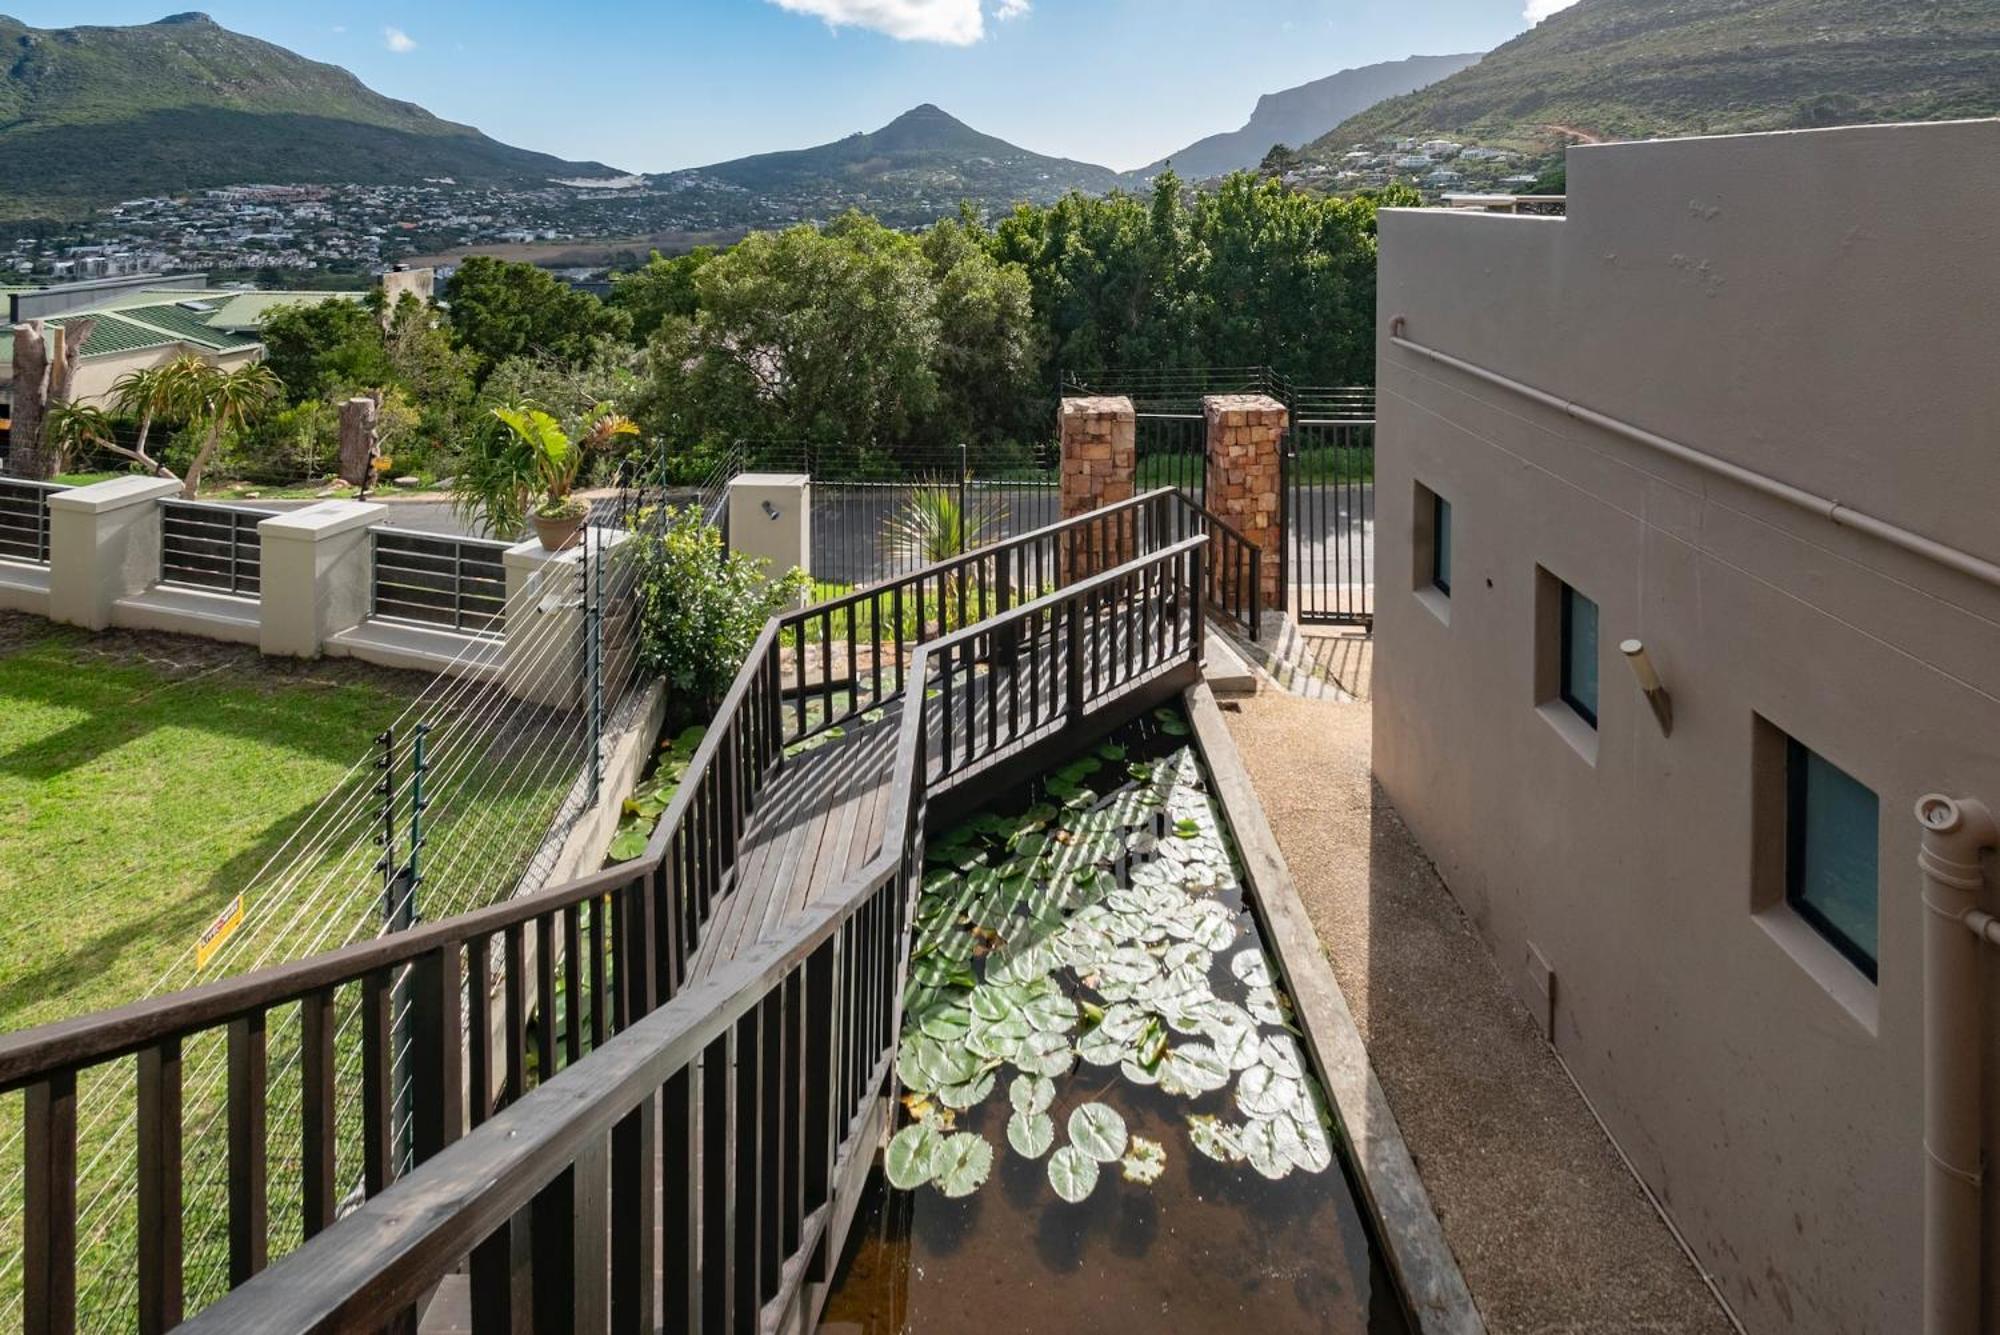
(1579, 654)
(1830, 853)
(1441, 544)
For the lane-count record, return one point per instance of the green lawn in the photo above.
(144, 781)
(139, 796)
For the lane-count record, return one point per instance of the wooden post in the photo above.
(357, 441)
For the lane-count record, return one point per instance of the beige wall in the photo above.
(1819, 307)
(96, 375)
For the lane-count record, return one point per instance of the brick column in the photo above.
(1100, 460)
(1245, 434)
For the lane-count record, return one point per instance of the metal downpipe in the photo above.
(1956, 831)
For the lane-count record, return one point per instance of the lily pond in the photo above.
(1106, 1111)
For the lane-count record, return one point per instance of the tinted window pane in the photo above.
(1579, 654)
(1441, 544)
(1831, 878)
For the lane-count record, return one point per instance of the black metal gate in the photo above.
(1172, 451)
(1328, 505)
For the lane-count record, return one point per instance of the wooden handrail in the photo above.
(380, 1261)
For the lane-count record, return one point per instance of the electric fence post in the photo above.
(593, 570)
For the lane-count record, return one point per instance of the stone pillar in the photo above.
(1246, 435)
(543, 659)
(104, 544)
(1100, 464)
(770, 520)
(316, 575)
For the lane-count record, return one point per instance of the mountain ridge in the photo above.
(1297, 116)
(95, 113)
(925, 147)
(1631, 69)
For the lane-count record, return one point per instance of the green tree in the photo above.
(502, 309)
(326, 349)
(663, 289)
(221, 401)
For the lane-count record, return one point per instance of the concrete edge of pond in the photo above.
(1414, 1240)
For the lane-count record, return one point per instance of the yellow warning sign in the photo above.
(217, 933)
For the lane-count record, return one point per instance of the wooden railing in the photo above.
(846, 656)
(746, 1097)
(475, 1011)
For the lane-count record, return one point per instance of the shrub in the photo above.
(701, 607)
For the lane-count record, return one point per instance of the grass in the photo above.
(145, 780)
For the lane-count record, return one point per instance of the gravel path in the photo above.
(1554, 1235)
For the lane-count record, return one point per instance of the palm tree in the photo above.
(74, 427)
(151, 394)
(224, 400)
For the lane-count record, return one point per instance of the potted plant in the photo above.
(529, 478)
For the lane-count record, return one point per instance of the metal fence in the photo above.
(24, 519)
(213, 547)
(435, 580)
(876, 518)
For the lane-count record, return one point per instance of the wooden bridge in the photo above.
(647, 1098)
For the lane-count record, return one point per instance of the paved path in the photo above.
(1553, 1234)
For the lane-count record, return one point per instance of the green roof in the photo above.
(246, 310)
(185, 325)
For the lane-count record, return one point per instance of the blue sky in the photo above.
(677, 83)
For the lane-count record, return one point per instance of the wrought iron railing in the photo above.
(24, 519)
(696, 1157)
(204, 545)
(435, 579)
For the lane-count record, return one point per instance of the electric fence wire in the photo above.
(357, 800)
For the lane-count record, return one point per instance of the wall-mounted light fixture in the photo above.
(1649, 682)
(771, 511)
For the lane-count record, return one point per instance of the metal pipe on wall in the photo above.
(1956, 832)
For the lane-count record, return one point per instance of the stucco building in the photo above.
(1740, 405)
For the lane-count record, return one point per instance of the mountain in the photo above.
(1632, 69)
(922, 155)
(1300, 115)
(92, 115)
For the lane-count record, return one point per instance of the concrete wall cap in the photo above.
(771, 480)
(115, 494)
(531, 555)
(324, 520)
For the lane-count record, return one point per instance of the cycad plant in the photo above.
(934, 526)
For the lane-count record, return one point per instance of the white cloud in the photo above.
(1538, 10)
(398, 41)
(952, 22)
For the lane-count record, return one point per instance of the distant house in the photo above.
(139, 326)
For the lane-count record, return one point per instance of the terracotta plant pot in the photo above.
(559, 532)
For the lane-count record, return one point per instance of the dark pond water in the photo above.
(1109, 1123)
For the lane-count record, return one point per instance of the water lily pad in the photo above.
(947, 1024)
(909, 1160)
(1193, 1069)
(1137, 1074)
(968, 1095)
(1261, 1147)
(1308, 1145)
(1099, 1131)
(1252, 969)
(1044, 1053)
(1145, 1160)
(1101, 1048)
(1031, 1093)
(1171, 723)
(1187, 955)
(1031, 1133)
(961, 1163)
(1267, 1006)
(1263, 1093)
(1217, 1139)
(1123, 1022)
(1073, 1174)
(1281, 1053)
